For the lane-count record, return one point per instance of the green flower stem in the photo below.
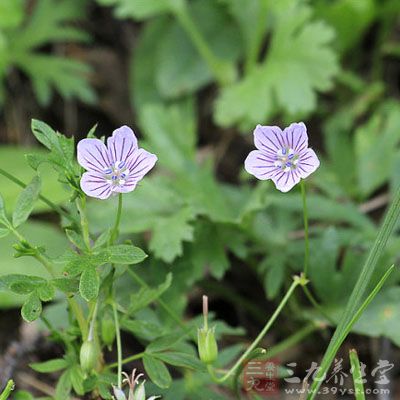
(297, 281)
(293, 339)
(7, 390)
(44, 199)
(305, 219)
(115, 231)
(127, 360)
(217, 67)
(119, 347)
(81, 206)
(340, 336)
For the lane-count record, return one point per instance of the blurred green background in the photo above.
(193, 78)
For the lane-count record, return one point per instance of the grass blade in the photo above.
(357, 375)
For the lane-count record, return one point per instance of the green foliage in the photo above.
(26, 202)
(22, 35)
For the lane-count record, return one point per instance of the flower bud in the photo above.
(207, 345)
(88, 355)
(107, 331)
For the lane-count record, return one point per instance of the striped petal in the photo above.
(122, 144)
(92, 155)
(95, 185)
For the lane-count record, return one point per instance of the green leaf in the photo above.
(66, 285)
(147, 295)
(126, 254)
(35, 232)
(380, 135)
(46, 292)
(163, 343)
(357, 375)
(142, 329)
(44, 134)
(89, 284)
(299, 63)
(137, 9)
(183, 75)
(171, 133)
(180, 360)
(15, 156)
(64, 386)
(157, 371)
(77, 379)
(3, 215)
(76, 239)
(50, 366)
(22, 284)
(26, 202)
(32, 308)
(168, 247)
(4, 232)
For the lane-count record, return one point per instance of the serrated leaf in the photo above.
(299, 63)
(157, 371)
(75, 238)
(126, 254)
(89, 284)
(26, 202)
(32, 308)
(179, 228)
(145, 296)
(50, 366)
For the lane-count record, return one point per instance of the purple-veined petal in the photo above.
(121, 144)
(268, 139)
(92, 155)
(284, 181)
(139, 164)
(94, 184)
(308, 163)
(296, 137)
(261, 165)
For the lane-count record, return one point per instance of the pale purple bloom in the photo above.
(282, 156)
(116, 168)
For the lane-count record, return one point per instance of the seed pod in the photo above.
(107, 331)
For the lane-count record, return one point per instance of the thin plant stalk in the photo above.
(297, 281)
(119, 347)
(7, 390)
(340, 337)
(361, 286)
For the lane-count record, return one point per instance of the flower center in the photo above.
(286, 159)
(117, 174)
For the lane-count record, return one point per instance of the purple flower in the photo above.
(283, 157)
(116, 168)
